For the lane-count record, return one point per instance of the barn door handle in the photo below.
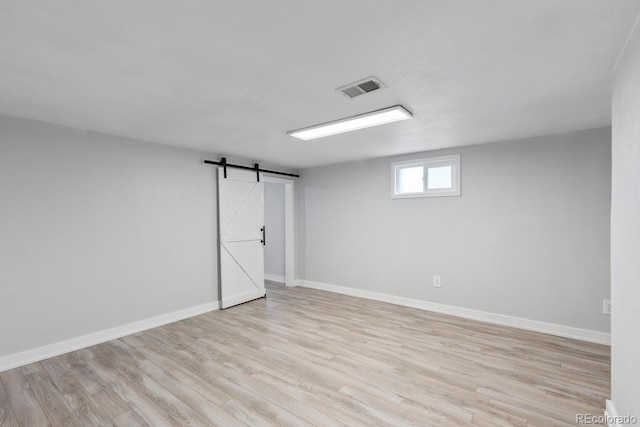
(264, 236)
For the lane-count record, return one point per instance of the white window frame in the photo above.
(452, 160)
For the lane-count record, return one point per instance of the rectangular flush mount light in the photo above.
(374, 118)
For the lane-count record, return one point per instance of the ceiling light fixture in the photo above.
(374, 118)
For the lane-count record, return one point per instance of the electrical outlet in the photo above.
(436, 282)
(606, 306)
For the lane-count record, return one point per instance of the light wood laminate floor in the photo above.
(307, 357)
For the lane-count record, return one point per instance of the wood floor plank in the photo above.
(125, 391)
(79, 400)
(308, 357)
(144, 388)
(198, 377)
(53, 404)
(129, 419)
(190, 397)
(141, 406)
(7, 417)
(24, 403)
(341, 413)
(178, 365)
(104, 396)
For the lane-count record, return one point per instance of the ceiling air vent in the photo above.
(361, 87)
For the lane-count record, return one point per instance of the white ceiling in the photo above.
(233, 77)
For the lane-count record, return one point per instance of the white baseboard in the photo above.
(614, 420)
(499, 319)
(274, 277)
(35, 355)
(610, 413)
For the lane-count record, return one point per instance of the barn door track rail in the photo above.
(256, 167)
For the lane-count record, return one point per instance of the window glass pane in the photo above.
(428, 177)
(439, 177)
(410, 180)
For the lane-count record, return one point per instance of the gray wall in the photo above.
(274, 220)
(98, 231)
(625, 232)
(529, 237)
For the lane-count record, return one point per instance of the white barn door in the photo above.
(241, 227)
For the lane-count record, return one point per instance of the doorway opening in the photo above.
(279, 221)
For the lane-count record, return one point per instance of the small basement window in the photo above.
(431, 177)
